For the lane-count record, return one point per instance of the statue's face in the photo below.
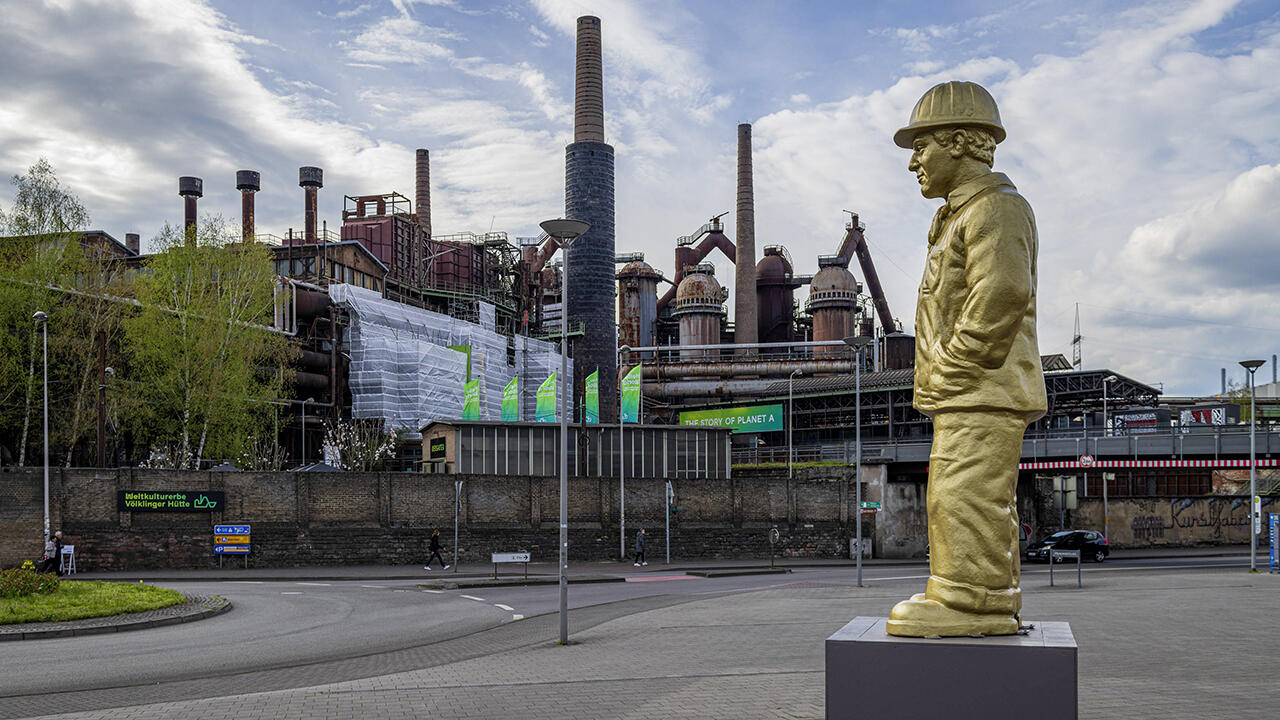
(934, 165)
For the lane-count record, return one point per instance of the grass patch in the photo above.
(79, 599)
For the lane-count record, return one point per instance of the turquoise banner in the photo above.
(471, 400)
(748, 419)
(592, 397)
(631, 395)
(546, 407)
(511, 401)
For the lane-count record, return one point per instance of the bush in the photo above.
(23, 581)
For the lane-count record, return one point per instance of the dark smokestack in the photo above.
(423, 190)
(588, 196)
(744, 304)
(248, 182)
(134, 242)
(190, 188)
(588, 104)
(310, 179)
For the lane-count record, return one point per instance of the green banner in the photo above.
(511, 401)
(749, 419)
(471, 400)
(631, 395)
(546, 408)
(591, 394)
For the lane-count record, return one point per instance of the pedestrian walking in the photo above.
(435, 551)
(640, 549)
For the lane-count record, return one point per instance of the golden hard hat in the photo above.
(950, 104)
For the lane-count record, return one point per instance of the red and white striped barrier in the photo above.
(1107, 464)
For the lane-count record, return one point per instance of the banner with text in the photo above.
(511, 401)
(471, 400)
(546, 407)
(591, 394)
(631, 395)
(748, 419)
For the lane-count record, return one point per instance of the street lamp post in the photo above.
(791, 413)
(43, 319)
(1254, 505)
(566, 231)
(1106, 430)
(858, 343)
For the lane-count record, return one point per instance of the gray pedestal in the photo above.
(874, 675)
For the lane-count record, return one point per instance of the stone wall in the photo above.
(386, 518)
(1164, 521)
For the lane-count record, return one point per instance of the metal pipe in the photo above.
(779, 368)
(791, 413)
(310, 179)
(564, 451)
(191, 189)
(855, 243)
(708, 388)
(735, 346)
(857, 456)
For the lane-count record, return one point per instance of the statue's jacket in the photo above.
(976, 346)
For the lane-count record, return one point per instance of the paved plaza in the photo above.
(1153, 643)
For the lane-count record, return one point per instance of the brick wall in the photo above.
(386, 518)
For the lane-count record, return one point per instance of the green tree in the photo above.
(203, 361)
(40, 254)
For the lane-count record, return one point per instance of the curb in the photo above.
(196, 608)
(462, 583)
(735, 572)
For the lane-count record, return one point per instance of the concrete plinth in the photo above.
(871, 674)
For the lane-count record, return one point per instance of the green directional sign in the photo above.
(748, 419)
(870, 505)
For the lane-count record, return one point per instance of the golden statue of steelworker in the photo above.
(978, 372)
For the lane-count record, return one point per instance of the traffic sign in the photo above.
(231, 529)
(231, 549)
(870, 505)
(230, 539)
(1086, 460)
(1257, 514)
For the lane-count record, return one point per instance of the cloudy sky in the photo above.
(1146, 136)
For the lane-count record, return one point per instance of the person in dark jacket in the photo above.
(640, 549)
(49, 563)
(435, 551)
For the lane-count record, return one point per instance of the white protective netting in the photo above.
(403, 371)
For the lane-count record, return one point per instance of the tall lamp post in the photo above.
(43, 319)
(1106, 430)
(1254, 502)
(858, 343)
(566, 231)
(791, 414)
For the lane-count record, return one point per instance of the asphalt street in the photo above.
(294, 634)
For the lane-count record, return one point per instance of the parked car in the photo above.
(1091, 544)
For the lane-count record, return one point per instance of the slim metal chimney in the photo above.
(744, 304)
(588, 100)
(248, 182)
(310, 179)
(1275, 377)
(190, 188)
(422, 200)
(1224, 381)
(134, 242)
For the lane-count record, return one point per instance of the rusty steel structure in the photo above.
(248, 182)
(712, 237)
(190, 189)
(310, 179)
(853, 244)
(422, 189)
(699, 307)
(833, 302)
(744, 302)
(776, 284)
(638, 303)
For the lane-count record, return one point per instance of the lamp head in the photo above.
(1110, 379)
(857, 342)
(109, 372)
(565, 229)
(40, 317)
(1252, 365)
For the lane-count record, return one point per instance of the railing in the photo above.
(778, 455)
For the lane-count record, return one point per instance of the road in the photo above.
(292, 634)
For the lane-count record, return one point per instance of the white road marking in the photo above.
(508, 608)
(378, 587)
(291, 592)
(517, 617)
(473, 597)
(436, 592)
(316, 584)
(245, 582)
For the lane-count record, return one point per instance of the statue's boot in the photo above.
(923, 617)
